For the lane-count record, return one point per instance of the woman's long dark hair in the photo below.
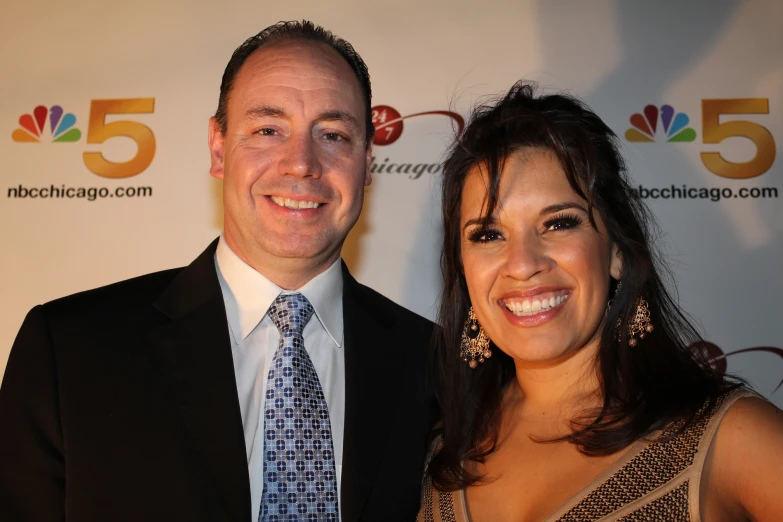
(645, 387)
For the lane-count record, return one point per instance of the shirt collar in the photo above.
(248, 294)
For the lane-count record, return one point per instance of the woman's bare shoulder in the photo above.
(747, 459)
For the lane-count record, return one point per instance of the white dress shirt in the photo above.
(254, 339)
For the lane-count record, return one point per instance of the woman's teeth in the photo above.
(294, 204)
(528, 307)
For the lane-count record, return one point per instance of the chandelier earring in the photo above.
(474, 348)
(640, 323)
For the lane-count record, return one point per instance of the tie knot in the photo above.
(290, 312)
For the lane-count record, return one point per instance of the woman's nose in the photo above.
(526, 257)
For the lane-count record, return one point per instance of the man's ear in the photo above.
(216, 144)
(368, 165)
(616, 263)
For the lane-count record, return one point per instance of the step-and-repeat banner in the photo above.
(103, 138)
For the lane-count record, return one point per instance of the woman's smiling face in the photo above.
(538, 274)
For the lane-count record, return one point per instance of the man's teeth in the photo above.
(531, 307)
(294, 204)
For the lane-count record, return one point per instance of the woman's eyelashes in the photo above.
(556, 223)
(484, 235)
(563, 222)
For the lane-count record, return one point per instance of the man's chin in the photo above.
(303, 248)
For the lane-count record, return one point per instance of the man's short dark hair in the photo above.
(295, 31)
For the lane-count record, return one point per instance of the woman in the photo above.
(569, 392)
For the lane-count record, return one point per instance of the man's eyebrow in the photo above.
(278, 112)
(265, 110)
(338, 115)
(559, 207)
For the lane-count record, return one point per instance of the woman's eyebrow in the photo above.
(551, 209)
(559, 207)
(480, 221)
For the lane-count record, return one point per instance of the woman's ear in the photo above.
(616, 263)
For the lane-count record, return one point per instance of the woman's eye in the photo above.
(563, 222)
(484, 236)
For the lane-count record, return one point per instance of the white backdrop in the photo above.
(620, 56)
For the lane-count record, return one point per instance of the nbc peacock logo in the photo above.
(33, 126)
(674, 124)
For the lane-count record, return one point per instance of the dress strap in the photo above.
(697, 469)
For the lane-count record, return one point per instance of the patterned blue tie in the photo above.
(300, 482)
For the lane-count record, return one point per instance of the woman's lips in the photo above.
(532, 305)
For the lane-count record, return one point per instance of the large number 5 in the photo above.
(714, 132)
(100, 131)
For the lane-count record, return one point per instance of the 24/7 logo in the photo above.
(388, 123)
(675, 127)
(98, 131)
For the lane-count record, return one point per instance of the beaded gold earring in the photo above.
(640, 322)
(474, 348)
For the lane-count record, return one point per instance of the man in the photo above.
(260, 380)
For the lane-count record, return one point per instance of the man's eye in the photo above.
(333, 136)
(484, 236)
(266, 131)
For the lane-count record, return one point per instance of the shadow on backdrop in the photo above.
(663, 38)
(352, 252)
(661, 42)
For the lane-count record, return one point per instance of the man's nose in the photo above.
(300, 157)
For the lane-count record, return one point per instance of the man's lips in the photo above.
(294, 204)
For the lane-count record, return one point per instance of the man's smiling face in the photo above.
(294, 158)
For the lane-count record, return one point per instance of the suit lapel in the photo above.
(373, 360)
(196, 351)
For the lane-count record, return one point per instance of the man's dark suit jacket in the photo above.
(120, 404)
